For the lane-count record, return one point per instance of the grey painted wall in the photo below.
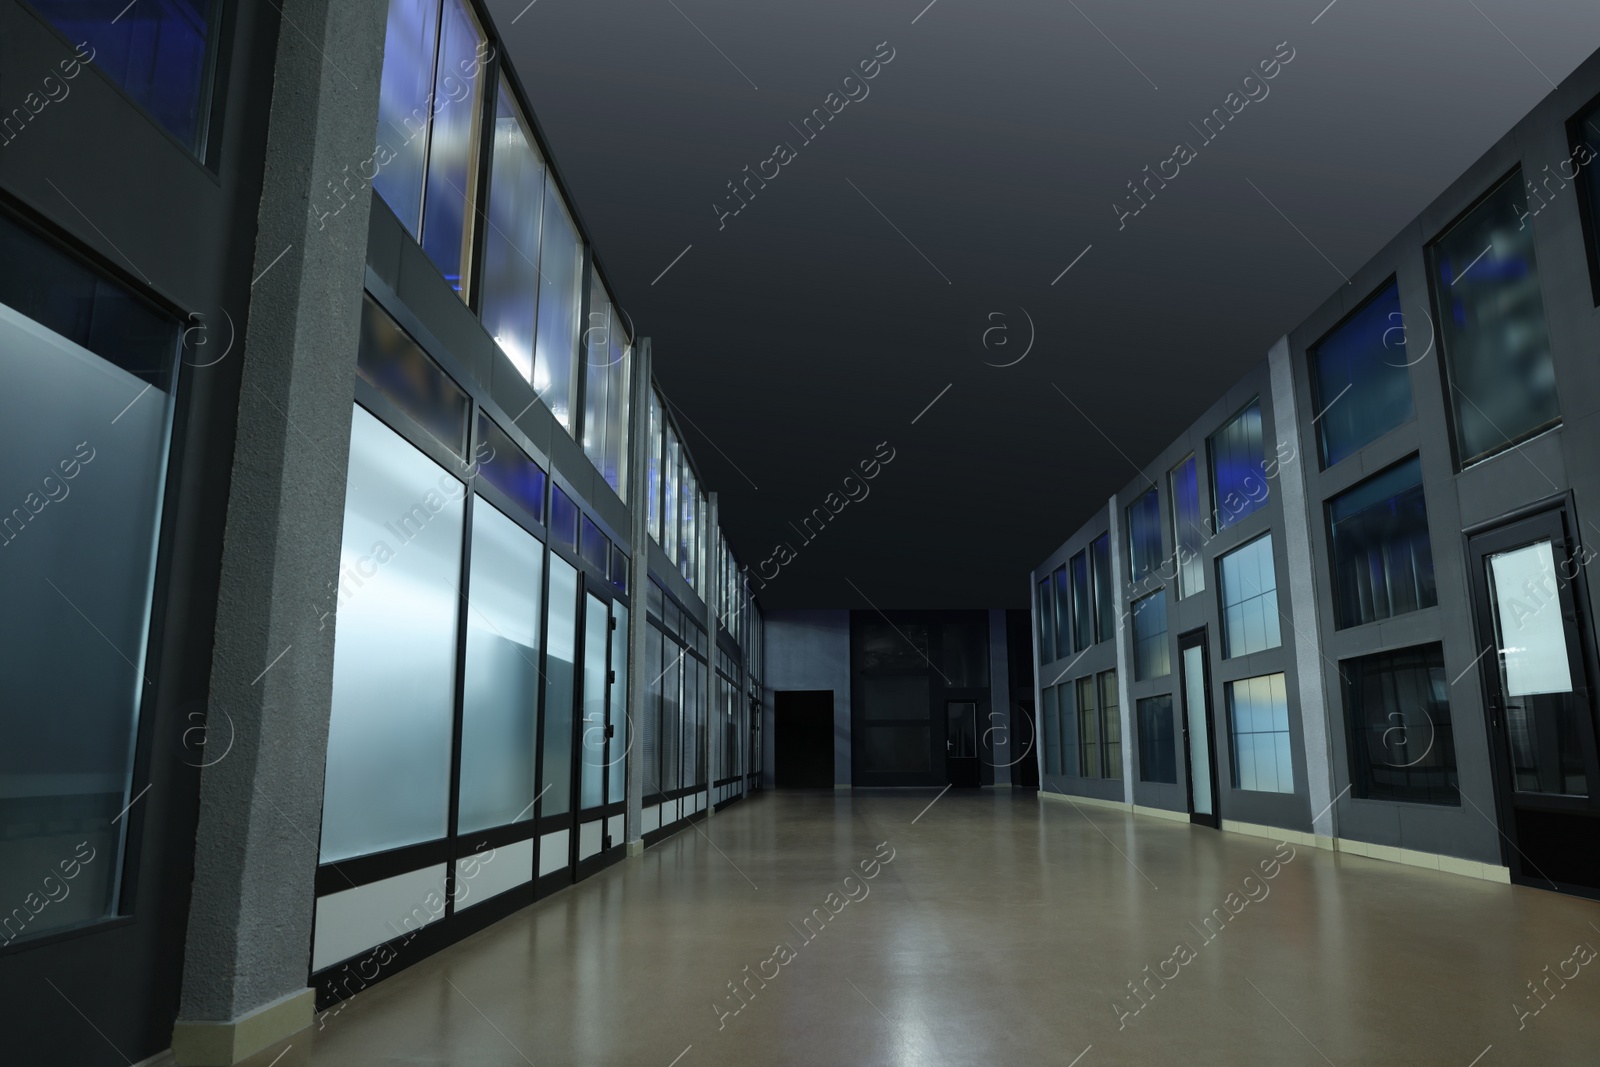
(810, 650)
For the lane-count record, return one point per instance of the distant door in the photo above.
(1024, 740)
(1200, 751)
(803, 739)
(961, 743)
(1541, 717)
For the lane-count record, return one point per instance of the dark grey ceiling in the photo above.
(988, 154)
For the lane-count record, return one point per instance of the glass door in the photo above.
(1541, 718)
(1200, 754)
(961, 744)
(602, 743)
(557, 827)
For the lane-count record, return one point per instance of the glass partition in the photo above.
(1492, 331)
(500, 693)
(560, 687)
(605, 390)
(1238, 481)
(1188, 530)
(560, 297)
(622, 724)
(511, 239)
(596, 702)
(1361, 378)
(1144, 537)
(450, 200)
(390, 733)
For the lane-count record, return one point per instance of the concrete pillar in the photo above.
(997, 730)
(638, 585)
(1302, 584)
(249, 938)
(1124, 638)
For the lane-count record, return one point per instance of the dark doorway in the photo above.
(1531, 611)
(1024, 747)
(802, 753)
(961, 743)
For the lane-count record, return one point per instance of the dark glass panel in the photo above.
(1105, 605)
(563, 518)
(1082, 606)
(1238, 482)
(159, 51)
(1188, 527)
(1152, 658)
(1158, 751)
(398, 368)
(1382, 558)
(1397, 708)
(593, 546)
(1361, 378)
(508, 468)
(1492, 326)
(1144, 537)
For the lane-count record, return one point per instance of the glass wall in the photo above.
(1361, 378)
(605, 390)
(78, 354)
(1501, 380)
(560, 687)
(1110, 726)
(1249, 593)
(1144, 537)
(1088, 730)
(654, 473)
(511, 239)
(1063, 613)
(1397, 708)
(1238, 484)
(1258, 717)
(1047, 622)
(160, 51)
(1382, 559)
(390, 733)
(430, 116)
(555, 355)
(500, 696)
(1188, 530)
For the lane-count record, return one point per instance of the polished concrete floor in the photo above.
(1001, 931)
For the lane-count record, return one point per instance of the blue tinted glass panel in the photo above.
(1063, 614)
(509, 469)
(1082, 607)
(405, 105)
(619, 570)
(1144, 537)
(1188, 528)
(1361, 380)
(1382, 558)
(1238, 480)
(159, 51)
(1492, 326)
(593, 546)
(563, 518)
(511, 241)
(451, 198)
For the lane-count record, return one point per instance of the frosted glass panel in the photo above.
(592, 766)
(1194, 706)
(560, 295)
(81, 488)
(622, 738)
(501, 694)
(394, 653)
(1250, 620)
(1532, 636)
(511, 240)
(560, 684)
(1258, 709)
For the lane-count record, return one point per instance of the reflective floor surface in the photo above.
(873, 929)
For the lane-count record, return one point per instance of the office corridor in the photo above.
(992, 929)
